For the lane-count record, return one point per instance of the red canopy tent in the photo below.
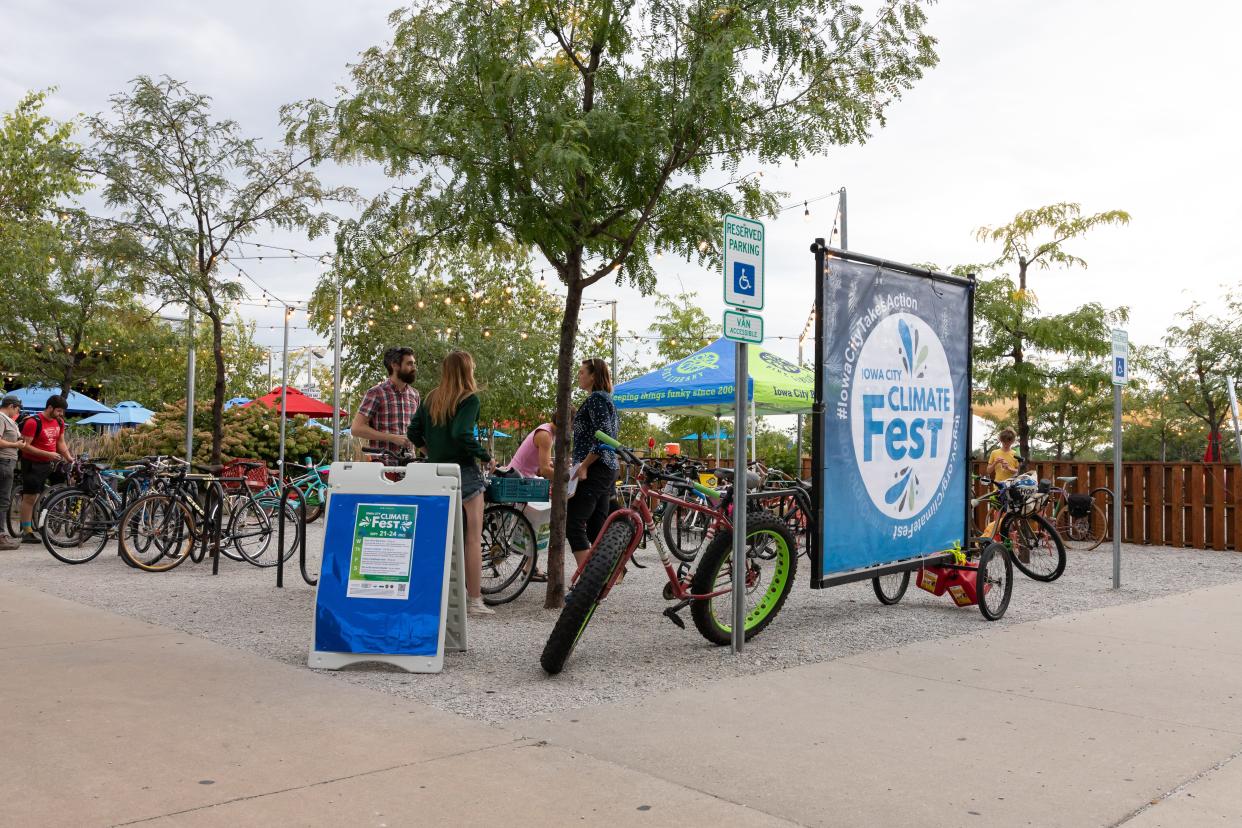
(295, 403)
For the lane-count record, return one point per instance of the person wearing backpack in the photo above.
(10, 441)
(45, 445)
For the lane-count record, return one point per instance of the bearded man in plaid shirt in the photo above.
(387, 408)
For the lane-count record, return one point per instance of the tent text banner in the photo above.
(894, 432)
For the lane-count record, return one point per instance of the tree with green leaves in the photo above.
(57, 326)
(681, 328)
(583, 131)
(1196, 356)
(466, 300)
(39, 176)
(192, 188)
(1017, 346)
(1072, 413)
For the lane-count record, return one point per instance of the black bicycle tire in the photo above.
(1052, 533)
(1067, 533)
(889, 600)
(581, 603)
(989, 551)
(187, 520)
(52, 547)
(292, 519)
(522, 575)
(670, 522)
(706, 577)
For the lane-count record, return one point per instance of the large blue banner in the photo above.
(382, 577)
(895, 384)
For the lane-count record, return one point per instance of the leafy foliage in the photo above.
(1023, 354)
(194, 187)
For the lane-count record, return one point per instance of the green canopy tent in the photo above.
(702, 384)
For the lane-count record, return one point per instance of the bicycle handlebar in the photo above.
(630, 457)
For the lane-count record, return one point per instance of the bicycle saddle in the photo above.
(214, 468)
(1068, 479)
(249, 464)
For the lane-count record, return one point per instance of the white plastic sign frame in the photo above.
(418, 479)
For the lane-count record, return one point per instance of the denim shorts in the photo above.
(471, 482)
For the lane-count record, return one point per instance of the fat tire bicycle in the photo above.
(770, 551)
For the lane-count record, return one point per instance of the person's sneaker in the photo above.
(31, 537)
(7, 542)
(476, 607)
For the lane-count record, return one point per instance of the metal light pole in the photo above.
(1117, 498)
(269, 368)
(614, 337)
(336, 377)
(189, 387)
(284, 389)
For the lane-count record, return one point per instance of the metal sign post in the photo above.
(1231, 384)
(1121, 375)
(190, 370)
(743, 288)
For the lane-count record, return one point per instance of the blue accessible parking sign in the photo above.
(744, 278)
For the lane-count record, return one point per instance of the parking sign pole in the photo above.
(1121, 372)
(741, 382)
(1231, 384)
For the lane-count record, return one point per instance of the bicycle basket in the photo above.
(517, 490)
(256, 478)
(1079, 505)
(1032, 503)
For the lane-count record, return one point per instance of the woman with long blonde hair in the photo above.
(445, 426)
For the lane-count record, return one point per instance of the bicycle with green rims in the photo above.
(771, 562)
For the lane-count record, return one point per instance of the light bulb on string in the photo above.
(396, 308)
(806, 212)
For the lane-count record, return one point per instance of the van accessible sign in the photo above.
(896, 378)
(743, 262)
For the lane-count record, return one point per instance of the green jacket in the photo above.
(453, 442)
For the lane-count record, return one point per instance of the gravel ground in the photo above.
(630, 648)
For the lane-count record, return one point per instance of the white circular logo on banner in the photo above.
(901, 415)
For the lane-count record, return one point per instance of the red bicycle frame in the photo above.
(639, 516)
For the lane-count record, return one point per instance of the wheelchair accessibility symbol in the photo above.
(744, 278)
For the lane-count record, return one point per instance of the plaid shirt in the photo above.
(388, 410)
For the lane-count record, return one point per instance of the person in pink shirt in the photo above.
(534, 456)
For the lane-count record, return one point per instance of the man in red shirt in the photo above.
(45, 435)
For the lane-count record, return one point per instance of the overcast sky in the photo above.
(1130, 105)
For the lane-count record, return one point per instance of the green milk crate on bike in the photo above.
(517, 490)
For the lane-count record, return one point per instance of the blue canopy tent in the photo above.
(236, 401)
(128, 413)
(703, 384)
(719, 435)
(34, 398)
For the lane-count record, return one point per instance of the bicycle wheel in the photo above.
(580, 604)
(1082, 533)
(890, 588)
(74, 526)
(1035, 546)
(771, 564)
(685, 529)
(157, 532)
(994, 580)
(315, 498)
(13, 520)
(509, 553)
(254, 530)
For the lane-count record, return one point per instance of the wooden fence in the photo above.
(1195, 505)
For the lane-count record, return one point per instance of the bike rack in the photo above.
(280, 537)
(216, 530)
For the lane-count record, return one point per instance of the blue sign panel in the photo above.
(382, 578)
(744, 278)
(894, 434)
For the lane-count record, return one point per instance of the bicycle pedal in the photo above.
(671, 615)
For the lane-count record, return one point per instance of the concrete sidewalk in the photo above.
(1086, 719)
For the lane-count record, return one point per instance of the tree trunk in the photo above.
(217, 391)
(1024, 426)
(565, 374)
